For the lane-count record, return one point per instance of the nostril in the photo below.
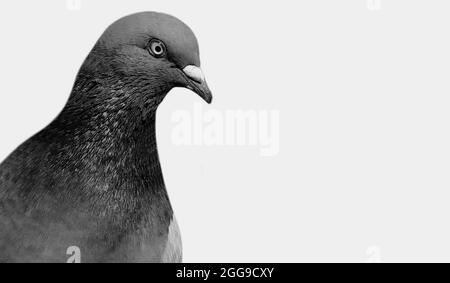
(194, 73)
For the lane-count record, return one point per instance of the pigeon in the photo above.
(92, 178)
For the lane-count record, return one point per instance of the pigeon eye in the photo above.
(157, 48)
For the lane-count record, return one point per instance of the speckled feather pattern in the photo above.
(92, 179)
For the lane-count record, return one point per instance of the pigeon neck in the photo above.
(109, 146)
(115, 138)
(130, 146)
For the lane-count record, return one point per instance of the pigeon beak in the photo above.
(197, 82)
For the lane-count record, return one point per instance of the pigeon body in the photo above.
(92, 178)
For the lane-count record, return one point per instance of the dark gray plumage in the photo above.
(92, 178)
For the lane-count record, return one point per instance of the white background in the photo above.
(363, 94)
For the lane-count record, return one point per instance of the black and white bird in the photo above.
(92, 178)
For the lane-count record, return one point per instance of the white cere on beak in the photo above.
(194, 73)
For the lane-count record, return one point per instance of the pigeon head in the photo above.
(147, 54)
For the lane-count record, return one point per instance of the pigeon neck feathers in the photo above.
(108, 133)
